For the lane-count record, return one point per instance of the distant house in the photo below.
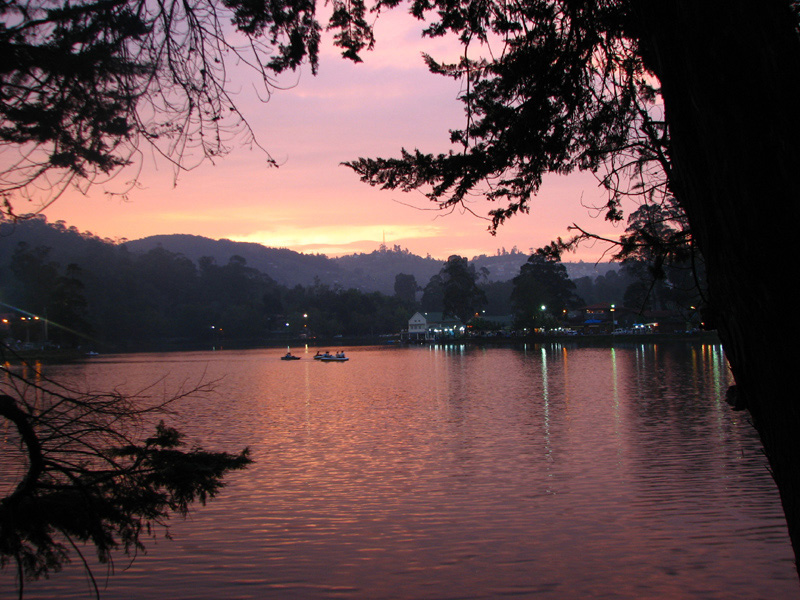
(417, 327)
(433, 325)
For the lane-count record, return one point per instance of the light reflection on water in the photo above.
(458, 472)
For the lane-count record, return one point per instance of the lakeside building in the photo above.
(596, 319)
(432, 325)
(608, 318)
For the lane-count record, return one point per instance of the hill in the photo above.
(285, 266)
(374, 271)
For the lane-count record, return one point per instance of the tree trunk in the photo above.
(730, 75)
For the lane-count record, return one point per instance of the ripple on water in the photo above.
(546, 472)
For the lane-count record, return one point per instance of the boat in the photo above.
(328, 357)
(289, 356)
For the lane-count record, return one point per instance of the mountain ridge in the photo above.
(373, 271)
(368, 272)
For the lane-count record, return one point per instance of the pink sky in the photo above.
(313, 204)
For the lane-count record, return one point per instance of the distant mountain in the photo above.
(503, 267)
(378, 269)
(374, 271)
(579, 269)
(283, 265)
(67, 243)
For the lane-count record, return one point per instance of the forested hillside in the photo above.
(283, 265)
(187, 289)
(368, 271)
(79, 290)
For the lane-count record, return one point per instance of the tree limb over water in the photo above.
(89, 475)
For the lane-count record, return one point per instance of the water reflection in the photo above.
(547, 471)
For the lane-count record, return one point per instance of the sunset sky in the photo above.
(313, 204)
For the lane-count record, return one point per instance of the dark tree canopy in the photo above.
(433, 295)
(405, 287)
(549, 87)
(668, 272)
(542, 287)
(461, 295)
(454, 290)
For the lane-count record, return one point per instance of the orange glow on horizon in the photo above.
(313, 204)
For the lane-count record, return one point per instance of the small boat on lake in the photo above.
(328, 357)
(289, 356)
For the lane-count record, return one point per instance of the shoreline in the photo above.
(165, 346)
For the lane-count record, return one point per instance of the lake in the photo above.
(456, 472)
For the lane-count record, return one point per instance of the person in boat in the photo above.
(340, 354)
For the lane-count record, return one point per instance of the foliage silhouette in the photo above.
(86, 85)
(88, 474)
(461, 295)
(542, 282)
(405, 288)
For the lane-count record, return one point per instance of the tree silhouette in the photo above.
(542, 288)
(461, 295)
(405, 288)
(88, 472)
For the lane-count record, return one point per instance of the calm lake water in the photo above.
(548, 472)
